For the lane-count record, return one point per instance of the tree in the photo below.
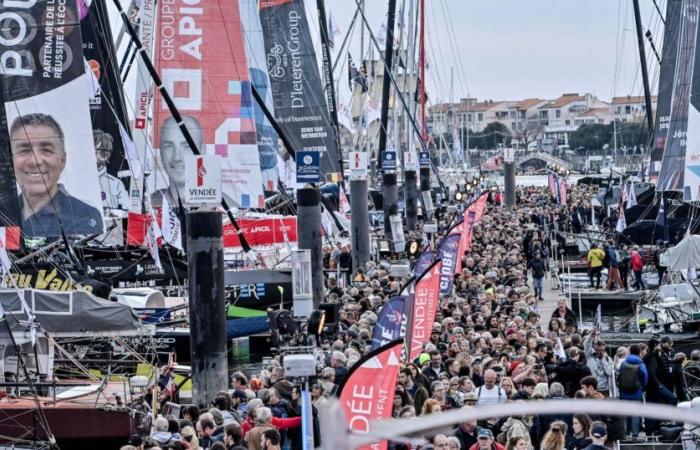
(591, 136)
(630, 135)
(493, 134)
(528, 134)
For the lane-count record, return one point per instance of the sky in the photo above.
(515, 49)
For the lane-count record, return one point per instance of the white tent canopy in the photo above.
(684, 255)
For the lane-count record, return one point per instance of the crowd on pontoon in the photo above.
(489, 345)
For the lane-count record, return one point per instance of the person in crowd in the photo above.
(555, 438)
(637, 266)
(599, 435)
(581, 432)
(596, 256)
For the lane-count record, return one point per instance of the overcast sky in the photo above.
(513, 49)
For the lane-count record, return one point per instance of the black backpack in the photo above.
(629, 378)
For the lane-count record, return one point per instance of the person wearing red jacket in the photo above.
(277, 422)
(637, 266)
(485, 441)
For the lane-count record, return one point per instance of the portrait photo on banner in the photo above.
(54, 162)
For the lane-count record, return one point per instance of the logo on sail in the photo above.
(274, 61)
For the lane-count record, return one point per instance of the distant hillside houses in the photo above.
(534, 119)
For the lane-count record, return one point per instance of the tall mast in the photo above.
(328, 78)
(421, 58)
(643, 63)
(389, 189)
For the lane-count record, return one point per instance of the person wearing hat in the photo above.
(485, 441)
(599, 434)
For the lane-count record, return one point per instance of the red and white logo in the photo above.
(201, 172)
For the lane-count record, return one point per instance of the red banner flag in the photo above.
(368, 391)
(472, 214)
(426, 295)
(267, 231)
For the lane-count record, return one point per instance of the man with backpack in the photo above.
(637, 266)
(633, 379)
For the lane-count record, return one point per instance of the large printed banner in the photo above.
(268, 231)
(424, 261)
(666, 77)
(472, 215)
(392, 321)
(201, 58)
(368, 391)
(671, 175)
(448, 254)
(297, 91)
(45, 94)
(426, 296)
(691, 179)
(107, 109)
(257, 65)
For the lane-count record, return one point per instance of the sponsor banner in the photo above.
(359, 165)
(426, 296)
(308, 167)
(46, 93)
(552, 183)
(389, 160)
(107, 109)
(257, 65)
(368, 391)
(666, 77)
(392, 321)
(465, 241)
(691, 179)
(671, 175)
(201, 57)
(448, 254)
(423, 262)
(424, 159)
(562, 192)
(146, 12)
(267, 231)
(202, 180)
(297, 91)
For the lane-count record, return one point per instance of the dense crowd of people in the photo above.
(489, 345)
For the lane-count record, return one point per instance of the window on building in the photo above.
(480, 117)
(628, 109)
(568, 122)
(469, 117)
(558, 113)
(544, 114)
(619, 109)
(513, 126)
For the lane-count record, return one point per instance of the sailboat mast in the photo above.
(643, 63)
(421, 58)
(389, 186)
(328, 76)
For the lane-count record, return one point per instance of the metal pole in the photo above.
(509, 184)
(643, 63)
(386, 81)
(411, 189)
(309, 236)
(391, 194)
(359, 225)
(205, 280)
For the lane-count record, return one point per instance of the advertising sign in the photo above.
(202, 180)
(45, 94)
(359, 165)
(424, 159)
(409, 160)
(448, 254)
(425, 302)
(389, 160)
(368, 391)
(297, 91)
(308, 167)
(201, 57)
(264, 231)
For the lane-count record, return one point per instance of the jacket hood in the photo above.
(633, 359)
